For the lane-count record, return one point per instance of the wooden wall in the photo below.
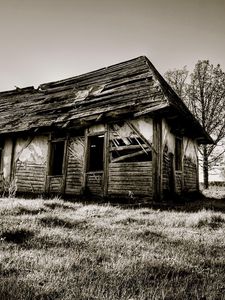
(185, 179)
(130, 174)
(130, 179)
(75, 165)
(30, 164)
(190, 175)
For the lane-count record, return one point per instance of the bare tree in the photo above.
(178, 80)
(204, 94)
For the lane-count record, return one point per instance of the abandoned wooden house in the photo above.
(117, 131)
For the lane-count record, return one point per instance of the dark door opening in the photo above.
(57, 156)
(96, 153)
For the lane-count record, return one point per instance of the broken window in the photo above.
(178, 154)
(128, 146)
(56, 158)
(95, 153)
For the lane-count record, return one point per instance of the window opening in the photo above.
(134, 151)
(57, 155)
(96, 150)
(178, 154)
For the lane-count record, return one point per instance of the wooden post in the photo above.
(65, 163)
(182, 164)
(12, 163)
(106, 161)
(86, 154)
(48, 164)
(157, 160)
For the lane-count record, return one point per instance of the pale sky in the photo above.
(47, 40)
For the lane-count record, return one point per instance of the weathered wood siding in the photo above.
(94, 183)
(30, 164)
(190, 175)
(130, 179)
(30, 177)
(75, 164)
(178, 181)
(187, 178)
(167, 172)
(55, 184)
(168, 149)
(130, 167)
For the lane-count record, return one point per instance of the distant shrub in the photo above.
(214, 222)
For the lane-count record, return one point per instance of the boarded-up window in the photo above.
(127, 144)
(56, 159)
(95, 151)
(131, 149)
(178, 153)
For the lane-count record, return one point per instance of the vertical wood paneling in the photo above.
(75, 165)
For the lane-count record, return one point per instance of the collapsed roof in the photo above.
(131, 88)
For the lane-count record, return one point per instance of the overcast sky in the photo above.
(47, 40)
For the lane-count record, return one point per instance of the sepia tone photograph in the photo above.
(112, 150)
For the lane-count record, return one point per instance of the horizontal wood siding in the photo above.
(55, 184)
(75, 165)
(132, 178)
(178, 181)
(30, 177)
(94, 183)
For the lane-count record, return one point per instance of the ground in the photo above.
(55, 249)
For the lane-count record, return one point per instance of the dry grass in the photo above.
(51, 249)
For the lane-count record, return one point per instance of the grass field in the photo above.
(51, 249)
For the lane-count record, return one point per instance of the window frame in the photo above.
(178, 153)
(52, 155)
(89, 137)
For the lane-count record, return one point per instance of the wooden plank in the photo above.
(141, 136)
(126, 185)
(129, 172)
(65, 164)
(127, 156)
(106, 162)
(133, 180)
(126, 192)
(157, 159)
(132, 164)
(127, 147)
(152, 108)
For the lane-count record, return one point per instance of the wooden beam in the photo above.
(65, 164)
(151, 109)
(140, 135)
(47, 182)
(157, 160)
(128, 147)
(121, 158)
(106, 162)
(12, 163)
(86, 156)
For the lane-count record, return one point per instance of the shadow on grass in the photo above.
(214, 222)
(12, 289)
(26, 211)
(17, 236)
(54, 221)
